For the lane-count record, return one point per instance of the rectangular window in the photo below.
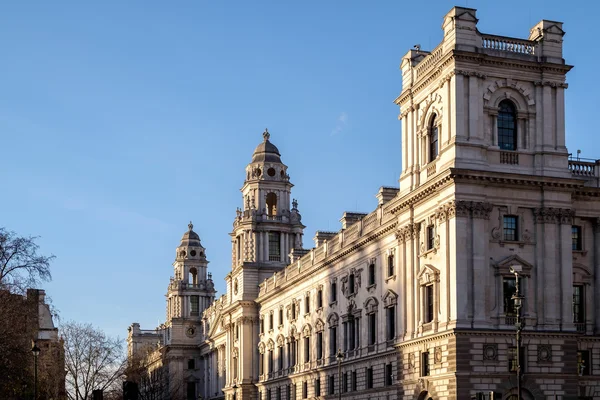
(370, 378)
(578, 305)
(307, 304)
(317, 387)
(584, 366)
(270, 366)
(371, 274)
(281, 316)
(351, 284)
(269, 394)
(390, 268)
(345, 382)
(388, 375)
(262, 325)
(320, 298)
(306, 349)
(294, 352)
(279, 393)
(237, 331)
(512, 359)
(372, 329)
(510, 228)
(425, 363)
(429, 303)
(391, 322)
(304, 390)
(191, 391)
(331, 385)
(430, 237)
(293, 310)
(333, 341)
(509, 289)
(261, 364)
(280, 358)
(195, 303)
(271, 321)
(333, 292)
(191, 363)
(319, 345)
(354, 381)
(274, 253)
(576, 242)
(239, 248)
(288, 394)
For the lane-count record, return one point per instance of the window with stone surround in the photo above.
(584, 366)
(333, 323)
(429, 303)
(369, 376)
(576, 239)
(319, 345)
(578, 304)
(281, 316)
(333, 295)
(390, 264)
(390, 300)
(510, 228)
(389, 377)
(507, 126)
(433, 138)
(429, 280)
(320, 298)
(304, 389)
(274, 249)
(195, 303)
(307, 303)
(430, 237)
(354, 381)
(371, 271)
(351, 282)
(371, 306)
(331, 385)
(271, 318)
(508, 290)
(425, 371)
(318, 387)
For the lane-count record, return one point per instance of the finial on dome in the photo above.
(266, 134)
(191, 226)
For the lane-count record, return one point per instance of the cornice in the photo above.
(514, 179)
(421, 193)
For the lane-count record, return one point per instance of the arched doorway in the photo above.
(512, 395)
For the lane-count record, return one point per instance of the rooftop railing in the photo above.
(508, 44)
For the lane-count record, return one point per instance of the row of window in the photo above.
(348, 383)
(510, 232)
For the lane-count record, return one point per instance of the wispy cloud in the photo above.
(341, 123)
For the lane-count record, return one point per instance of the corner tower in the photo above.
(268, 226)
(191, 290)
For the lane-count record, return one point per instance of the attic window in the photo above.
(271, 203)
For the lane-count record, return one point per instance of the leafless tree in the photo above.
(93, 360)
(155, 382)
(20, 264)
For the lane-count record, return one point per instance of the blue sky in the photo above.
(122, 121)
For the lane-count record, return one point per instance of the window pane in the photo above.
(576, 238)
(510, 228)
(274, 254)
(509, 289)
(507, 128)
(578, 302)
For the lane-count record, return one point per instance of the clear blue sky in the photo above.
(121, 121)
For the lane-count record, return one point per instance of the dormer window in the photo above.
(507, 126)
(433, 138)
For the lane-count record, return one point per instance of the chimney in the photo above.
(322, 236)
(550, 35)
(386, 194)
(460, 30)
(350, 218)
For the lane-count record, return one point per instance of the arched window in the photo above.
(507, 126)
(433, 138)
(271, 204)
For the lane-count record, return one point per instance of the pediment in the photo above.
(581, 274)
(390, 298)
(217, 325)
(503, 266)
(554, 29)
(428, 274)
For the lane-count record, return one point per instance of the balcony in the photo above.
(580, 327)
(585, 168)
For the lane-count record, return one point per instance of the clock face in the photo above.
(191, 331)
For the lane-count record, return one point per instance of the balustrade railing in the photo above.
(510, 45)
(582, 168)
(430, 60)
(580, 327)
(509, 157)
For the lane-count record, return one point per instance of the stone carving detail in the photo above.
(544, 353)
(411, 361)
(526, 236)
(490, 352)
(462, 208)
(549, 215)
(496, 233)
(437, 355)
(481, 210)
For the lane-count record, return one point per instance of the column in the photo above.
(560, 118)
(266, 246)
(596, 272)
(282, 247)
(565, 271)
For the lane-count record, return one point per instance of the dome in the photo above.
(266, 151)
(190, 238)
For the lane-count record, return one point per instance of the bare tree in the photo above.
(149, 369)
(93, 360)
(20, 265)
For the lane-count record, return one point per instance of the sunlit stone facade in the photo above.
(417, 293)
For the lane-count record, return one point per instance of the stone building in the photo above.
(417, 294)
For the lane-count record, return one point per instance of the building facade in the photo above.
(417, 295)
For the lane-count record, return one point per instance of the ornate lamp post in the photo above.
(339, 357)
(517, 298)
(36, 352)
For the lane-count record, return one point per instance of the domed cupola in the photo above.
(190, 246)
(266, 151)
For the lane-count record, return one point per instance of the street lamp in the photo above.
(339, 357)
(36, 352)
(517, 299)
